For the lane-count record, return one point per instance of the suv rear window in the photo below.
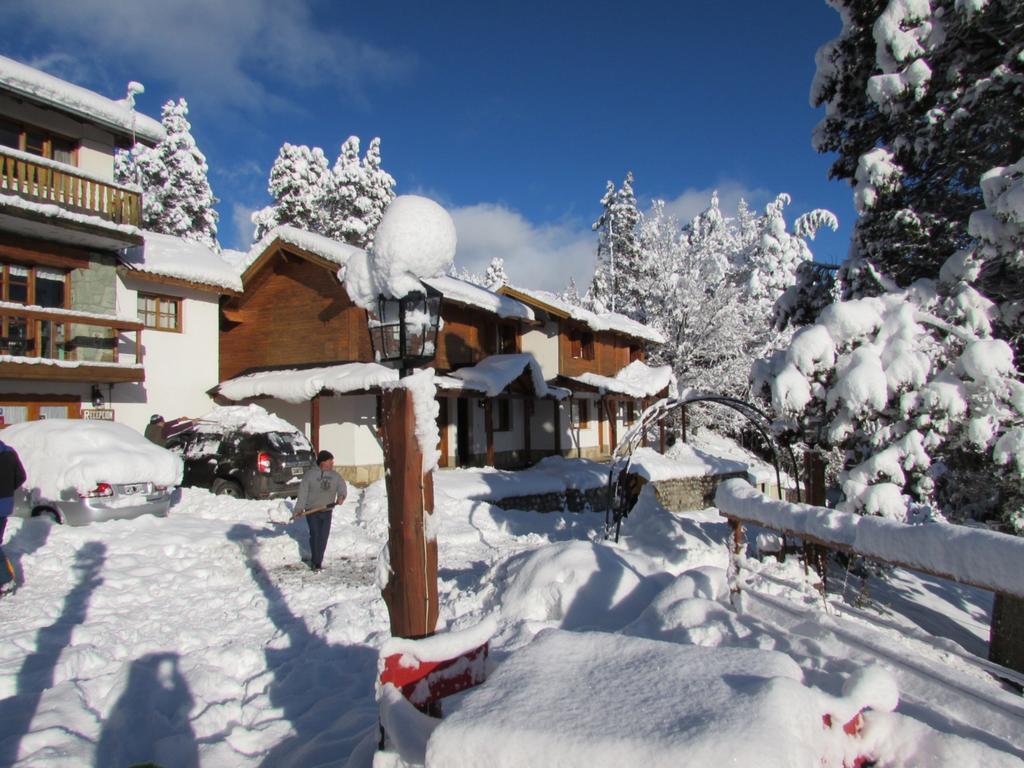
(288, 442)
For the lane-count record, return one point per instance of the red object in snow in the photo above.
(853, 727)
(430, 681)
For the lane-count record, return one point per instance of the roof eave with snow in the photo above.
(33, 85)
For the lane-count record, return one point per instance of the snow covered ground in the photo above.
(200, 639)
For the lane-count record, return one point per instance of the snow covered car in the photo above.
(81, 472)
(242, 451)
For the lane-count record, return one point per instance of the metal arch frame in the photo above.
(616, 508)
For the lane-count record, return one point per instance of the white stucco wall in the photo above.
(180, 367)
(348, 430)
(542, 343)
(96, 159)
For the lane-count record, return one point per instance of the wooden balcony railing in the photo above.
(45, 181)
(65, 335)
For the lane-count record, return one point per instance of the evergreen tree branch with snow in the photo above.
(913, 370)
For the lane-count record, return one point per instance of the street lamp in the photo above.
(404, 330)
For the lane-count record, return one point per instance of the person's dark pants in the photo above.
(5, 573)
(319, 529)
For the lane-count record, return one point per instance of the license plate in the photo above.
(298, 470)
(134, 488)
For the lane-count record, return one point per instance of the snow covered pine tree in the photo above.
(176, 194)
(344, 202)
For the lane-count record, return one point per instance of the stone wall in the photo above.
(691, 494)
(94, 290)
(572, 500)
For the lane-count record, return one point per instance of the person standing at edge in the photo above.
(321, 488)
(12, 476)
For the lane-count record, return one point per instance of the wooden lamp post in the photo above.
(404, 331)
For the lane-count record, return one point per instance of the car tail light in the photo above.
(101, 489)
(263, 463)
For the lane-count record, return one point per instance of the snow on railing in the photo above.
(974, 556)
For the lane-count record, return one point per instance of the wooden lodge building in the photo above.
(520, 375)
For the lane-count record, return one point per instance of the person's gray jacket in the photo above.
(320, 488)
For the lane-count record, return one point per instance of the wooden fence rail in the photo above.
(966, 557)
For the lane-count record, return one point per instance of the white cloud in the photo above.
(216, 53)
(536, 256)
(241, 224)
(692, 201)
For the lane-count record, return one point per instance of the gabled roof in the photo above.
(335, 255)
(495, 373)
(635, 380)
(168, 256)
(604, 321)
(331, 254)
(471, 295)
(34, 85)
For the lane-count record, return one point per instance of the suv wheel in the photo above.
(223, 487)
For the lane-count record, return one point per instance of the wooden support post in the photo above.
(411, 591)
(1006, 640)
(814, 479)
(314, 422)
(489, 429)
(613, 419)
(661, 437)
(682, 416)
(527, 437)
(558, 427)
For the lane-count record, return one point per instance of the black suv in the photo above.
(260, 465)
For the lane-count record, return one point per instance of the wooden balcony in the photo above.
(45, 181)
(40, 344)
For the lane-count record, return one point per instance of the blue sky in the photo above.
(511, 114)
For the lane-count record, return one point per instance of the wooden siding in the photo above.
(467, 336)
(293, 312)
(611, 352)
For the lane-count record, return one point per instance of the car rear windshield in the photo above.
(288, 442)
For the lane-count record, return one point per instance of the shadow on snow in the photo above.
(323, 690)
(37, 670)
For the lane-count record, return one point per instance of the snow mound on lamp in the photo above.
(416, 238)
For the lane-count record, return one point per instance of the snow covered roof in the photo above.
(635, 380)
(463, 292)
(298, 386)
(171, 256)
(605, 321)
(30, 83)
(318, 245)
(494, 373)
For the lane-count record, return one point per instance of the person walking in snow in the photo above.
(12, 476)
(321, 489)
